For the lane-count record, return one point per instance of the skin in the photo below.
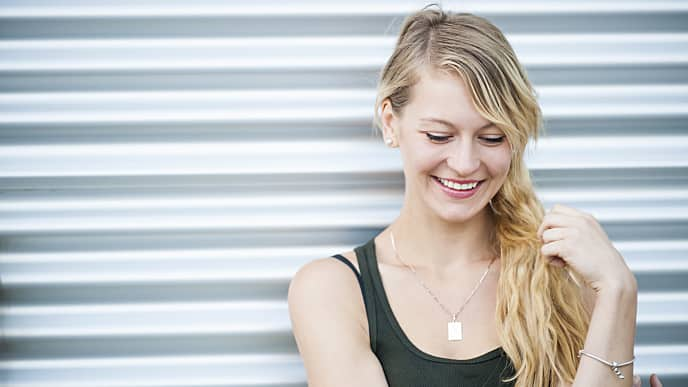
(441, 234)
(447, 241)
(654, 381)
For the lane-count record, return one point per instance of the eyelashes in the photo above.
(494, 140)
(437, 138)
(491, 140)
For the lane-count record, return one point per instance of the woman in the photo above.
(473, 284)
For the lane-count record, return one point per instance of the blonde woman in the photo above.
(473, 284)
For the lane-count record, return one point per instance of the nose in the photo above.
(465, 160)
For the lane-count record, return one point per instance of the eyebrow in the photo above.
(449, 124)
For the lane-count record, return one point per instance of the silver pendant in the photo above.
(454, 332)
(615, 368)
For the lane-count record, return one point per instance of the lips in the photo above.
(458, 194)
(459, 181)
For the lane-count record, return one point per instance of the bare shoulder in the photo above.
(328, 281)
(330, 327)
(328, 271)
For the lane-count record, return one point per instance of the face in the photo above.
(442, 136)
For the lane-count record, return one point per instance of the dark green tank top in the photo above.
(402, 362)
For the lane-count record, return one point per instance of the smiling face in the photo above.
(441, 135)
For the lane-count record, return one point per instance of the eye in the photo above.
(437, 138)
(441, 139)
(494, 140)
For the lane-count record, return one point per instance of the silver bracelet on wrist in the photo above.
(614, 365)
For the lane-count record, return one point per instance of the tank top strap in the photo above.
(365, 257)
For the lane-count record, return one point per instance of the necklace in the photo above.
(454, 330)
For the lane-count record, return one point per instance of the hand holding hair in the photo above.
(573, 238)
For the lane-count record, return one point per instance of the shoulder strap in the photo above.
(353, 268)
(365, 259)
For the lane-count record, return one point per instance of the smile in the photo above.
(457, 190)
(457, 186)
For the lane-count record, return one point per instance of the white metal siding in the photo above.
(166, 166)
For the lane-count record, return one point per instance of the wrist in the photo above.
(622, 286)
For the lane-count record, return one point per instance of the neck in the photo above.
(432, 244)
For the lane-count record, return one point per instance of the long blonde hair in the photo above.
(541, 318)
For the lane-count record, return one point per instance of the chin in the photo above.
(457, 215)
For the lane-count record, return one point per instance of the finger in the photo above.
(553, 249)
(560, 208)
(636, 381)
(555, 220)
(556, 261)
(553, 234)
(654, 381)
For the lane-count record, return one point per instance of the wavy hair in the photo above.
(541, 317)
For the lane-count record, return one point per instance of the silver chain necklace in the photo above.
(454, 330)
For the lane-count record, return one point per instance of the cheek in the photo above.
(500, 165)
(420, 159)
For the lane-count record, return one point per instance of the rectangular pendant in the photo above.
(454, 331)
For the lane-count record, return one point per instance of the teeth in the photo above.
(463, 187)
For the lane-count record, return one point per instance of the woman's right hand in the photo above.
(654, 381)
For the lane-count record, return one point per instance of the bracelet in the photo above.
(614, 365)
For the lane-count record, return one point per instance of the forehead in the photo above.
(443, 95)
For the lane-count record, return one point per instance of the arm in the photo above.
(610, 336)
(324, 302)
(575, 239)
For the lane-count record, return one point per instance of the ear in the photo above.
(390, 122)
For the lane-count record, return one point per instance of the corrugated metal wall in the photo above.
(166, 166)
